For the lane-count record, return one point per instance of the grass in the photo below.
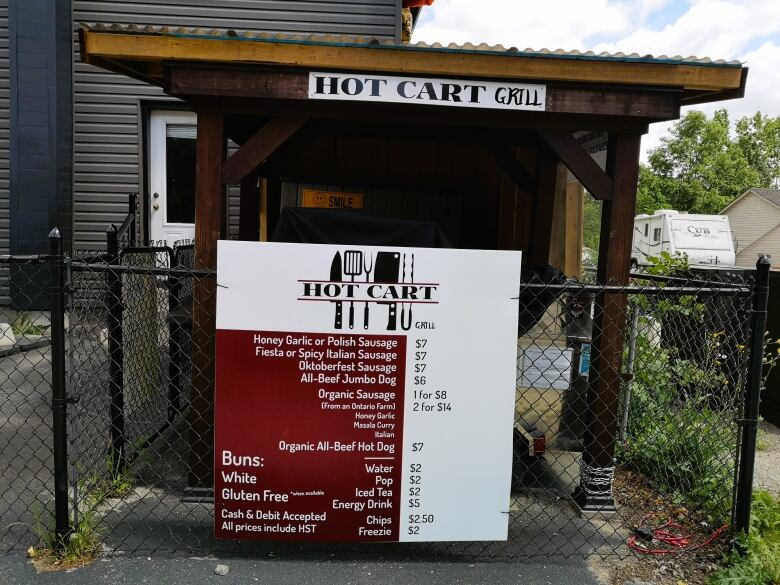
(760, 565)
(82, 545)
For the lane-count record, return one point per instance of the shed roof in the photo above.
(771, 195)
(143, 50)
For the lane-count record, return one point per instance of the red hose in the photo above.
(675, 536)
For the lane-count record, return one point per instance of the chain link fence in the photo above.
(662, 443)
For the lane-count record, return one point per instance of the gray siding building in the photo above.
(108, 138)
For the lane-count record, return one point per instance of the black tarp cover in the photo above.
(353, 228)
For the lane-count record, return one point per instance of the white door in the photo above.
(172, 139)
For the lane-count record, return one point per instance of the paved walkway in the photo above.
(125, 571)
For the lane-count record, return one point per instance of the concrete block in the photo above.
(7, 337)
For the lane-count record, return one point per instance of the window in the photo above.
(657, 235)
(647, 227)
(180, 140)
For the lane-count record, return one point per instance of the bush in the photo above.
(675, 436)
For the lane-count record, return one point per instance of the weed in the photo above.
(760, 563)
(83, 543)
(26, 325)
(79, 548)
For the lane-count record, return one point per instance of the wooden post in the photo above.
(208, 223)
(594, 494)
(249, 209)
(544, 205)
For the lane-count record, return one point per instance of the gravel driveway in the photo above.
(767, 474)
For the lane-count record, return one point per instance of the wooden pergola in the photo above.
(256, 91)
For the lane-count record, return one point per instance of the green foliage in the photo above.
(678, 430)
(703, 164)
(25, 325)
(666, 264)
(592, 224)
(760, 565)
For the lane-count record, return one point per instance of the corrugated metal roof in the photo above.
(369, 42)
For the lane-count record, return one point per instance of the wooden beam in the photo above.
(420, 115)
(507, 161)
(189, 81)
(392, 59)
(617, 226)
(208, 221)
(580, 163)
(258, 148)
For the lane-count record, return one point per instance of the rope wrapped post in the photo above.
(602, 417)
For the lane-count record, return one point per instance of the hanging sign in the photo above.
(462, 93)
(595, 144)
(332, 199)
(364, 394)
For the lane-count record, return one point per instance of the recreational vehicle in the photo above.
(705, 239)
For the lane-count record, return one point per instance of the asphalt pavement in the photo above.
(117, 570)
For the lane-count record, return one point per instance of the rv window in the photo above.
(657, 235)
(647, 227)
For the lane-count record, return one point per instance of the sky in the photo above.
(744, 30)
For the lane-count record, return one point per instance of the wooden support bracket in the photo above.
(506, 160)
(580, 163)
(259, 147)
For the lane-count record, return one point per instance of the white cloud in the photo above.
(550, 24)
(728, 29)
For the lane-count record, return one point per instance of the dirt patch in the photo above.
(641, 504)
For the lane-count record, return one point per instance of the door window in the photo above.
(180, 140)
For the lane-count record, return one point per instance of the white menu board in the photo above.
(364, 393)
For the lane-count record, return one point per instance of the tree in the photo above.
(702, 164)
(758, 138)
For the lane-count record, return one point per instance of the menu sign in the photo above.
(364, 394)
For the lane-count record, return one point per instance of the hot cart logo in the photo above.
(362, 282)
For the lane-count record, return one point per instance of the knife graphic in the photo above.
(386, 271)
(335, 276)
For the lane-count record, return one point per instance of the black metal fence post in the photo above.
(132, 208)
(59, 403)
(115, 353)
(747, 457)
